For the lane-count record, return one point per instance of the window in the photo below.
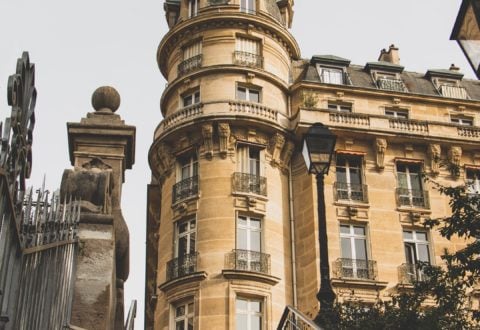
(183, 315)
(473, 180)
(349, 178)
(193, 8)
(249, 176)
(463, 121)
(409, 185)
(396, 113)
(343, 107)
(191, 98)
(417, 250)
(185, 255)
(187, 178)
(354, 252)
(247, 6)
(248, 94)
(248, 52)
(450, 88)
(192, 57)
(390, 81)
(331, 75)
(249, 314)
(249, 245)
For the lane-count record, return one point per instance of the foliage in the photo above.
(440, 300)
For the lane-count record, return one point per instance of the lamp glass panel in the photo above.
(305, 154)
(472, 49)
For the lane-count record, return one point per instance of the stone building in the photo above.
(232, 233)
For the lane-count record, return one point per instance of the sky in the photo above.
(78, 46)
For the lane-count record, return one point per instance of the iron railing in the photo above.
(355, 268)
(391, 84)
(351, 192)
(185, 189)
(455, 92)
(293, 319)
(132, 314)
(247, 59)
(181, 266)
(412, 198)
(249, 183)
(247, 260)
(341, 79)
(410, 273)
(190, 64)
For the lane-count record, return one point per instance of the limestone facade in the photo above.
(232, 234)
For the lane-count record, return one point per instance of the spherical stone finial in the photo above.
(105, 98)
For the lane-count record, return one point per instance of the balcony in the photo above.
(453, 92)
(412, 198)
(249, 183)
(391, 85)
(182, 266)
(185, 189)
(410, 273)
(250, 261)
(350, 192)
(247, 59)
(355, 269)
(190, 64)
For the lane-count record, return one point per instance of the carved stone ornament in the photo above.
(380, 148)
(165, 160)
(454, 155)
(96, 163)
(287, 153)
(434, 151)
(276, 145)
(207, 132)
(224, 137)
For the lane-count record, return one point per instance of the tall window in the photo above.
(330, 75)
(247, 52)
(473, 180)
(417, 250)
(185, 238)
(249, 244)
(192, 57)
(187, 177)
(409, 181)
(183, 315)
(354, 251)
(248, 177)
(349, 178)
(248, 94)
(192, 50)
(247, 6)
(191, 98)
(249, 314)
(193, 8)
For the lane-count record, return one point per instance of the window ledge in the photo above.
(252, 276)
(178, 204)
(360, 283)
(193, 277)
(250, 194)
(406, 208)
(346, 202)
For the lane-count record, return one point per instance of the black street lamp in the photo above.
(318, 148)
(466, 32)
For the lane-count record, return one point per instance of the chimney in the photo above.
(454, 68)
(391, 56)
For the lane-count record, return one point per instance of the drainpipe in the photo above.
(292, 233)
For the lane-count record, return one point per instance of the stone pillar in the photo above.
(101, 148)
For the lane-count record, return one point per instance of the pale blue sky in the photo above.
(80, 45)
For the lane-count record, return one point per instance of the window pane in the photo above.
(341, 174)
(360, 249)
(182, 227)
(190, 308)
(355, 175)
(241, 322)
(241, 239)
(254, 223)
(190, 323)
(180, 325)
(421, 236)
(256, 306)
(409, 253)
(180, 311)
(192, 243)
(346, 248)
(408, 235)
(359, 230)
(182, 246)
(241, 304)
(345, 229)
(197, 97)
(402, 180)
(256, 322)
(242, 221)
(255, 244)
(423, 254)
(241, 93)
(187, 100)
(254, 96)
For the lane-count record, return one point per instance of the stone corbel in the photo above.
(287, 153)
(207, 132)
(454, 157)
(165, 160)
(224, 137)
(380, 148)
(434, 151)
(276, 145)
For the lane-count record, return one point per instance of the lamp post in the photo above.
(318, 147)
(466, 32)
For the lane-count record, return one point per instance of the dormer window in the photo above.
(330, 75)
(332, 69)
(447, 82)
(247, 6)
(389, 81)
(193, 8)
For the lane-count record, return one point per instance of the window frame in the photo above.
(188, 233)
(414, 242)
(189, 159)
(249, 312)
(193, 7)
(472, 184)
(192, 49)
(245, 6)
(173, 312)
(325, 68)
(409, 183)
(395, 113)
(248, 90)
(249, 229)
(342, 107)
(352, 237)
(192, 94)
(348, 169)
(465, 121)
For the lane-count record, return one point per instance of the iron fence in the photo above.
(410, 273)
(413, 198)
(185, 189)
(293, 319)
(391, 84)
(355, 268)
(247, 260)
(190, 64)
(249, 183)
(181, 266)
(351, 191)
(247, 59)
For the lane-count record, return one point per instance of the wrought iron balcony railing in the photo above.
(181, 266)
(351, 192)
(185, 189)
(413, 198)
(249, 183)
(293, 319)
(190, 64)
(391, 85)
(355, 268)
(455, 92)
(247, 260)
(410, 273)
(247, 59)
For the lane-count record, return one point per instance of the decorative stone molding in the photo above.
(207, 132)
(224, 137)
(96, 163)
(408, 151)
(276, 145)
(165, 160)
(434, 151)
(349, 144)
(454, 157)
(380, 148)
(287, 153)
